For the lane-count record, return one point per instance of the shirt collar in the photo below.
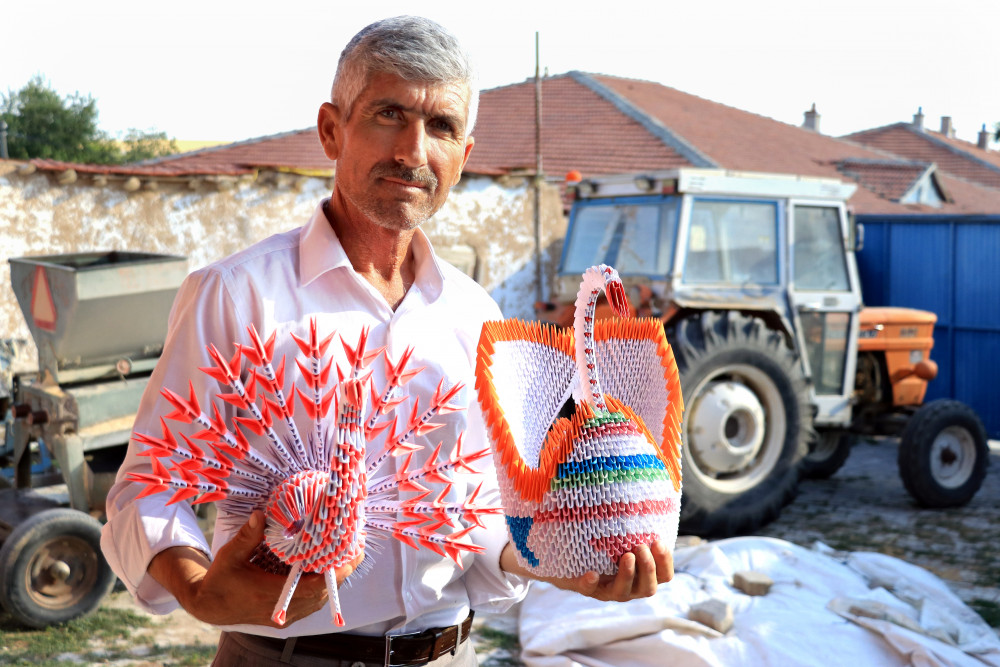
(429, 277)
(319, 248)
(320, 251)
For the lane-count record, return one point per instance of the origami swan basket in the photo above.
(580, 492)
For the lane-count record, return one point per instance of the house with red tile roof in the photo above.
(591, 123)
(913, 141)
(597, 124)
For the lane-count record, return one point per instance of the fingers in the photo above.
(249, 536)
(589, 584)
(310, 596)
(235, 591)
(664, 562)
(621, 586)
(639, 574)
(347, 569)
(645, 581)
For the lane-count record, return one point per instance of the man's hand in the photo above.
(230, 590)
(639, 573)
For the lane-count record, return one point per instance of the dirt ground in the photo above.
(864, 507)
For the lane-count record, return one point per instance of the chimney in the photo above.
(918, 120)
(811, 121)
(946, 128)
(984, 138)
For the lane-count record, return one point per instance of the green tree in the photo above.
(138, 145)
(40, 124)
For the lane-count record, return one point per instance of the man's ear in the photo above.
(327, 124)
(469, 143)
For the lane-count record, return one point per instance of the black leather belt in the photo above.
(417, 648)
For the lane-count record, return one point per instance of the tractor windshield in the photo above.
(732, 241)
(634, 236)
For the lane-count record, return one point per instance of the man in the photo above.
(399, 127)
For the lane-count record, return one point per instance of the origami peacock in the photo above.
(580, 492)
(319, 487)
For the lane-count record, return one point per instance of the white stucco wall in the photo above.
(496, 219)
(38, 216)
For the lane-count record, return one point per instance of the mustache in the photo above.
(422, 175)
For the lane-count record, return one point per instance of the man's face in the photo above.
(401, 150)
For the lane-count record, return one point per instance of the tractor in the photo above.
(754, 278)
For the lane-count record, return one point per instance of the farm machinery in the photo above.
(98, 321)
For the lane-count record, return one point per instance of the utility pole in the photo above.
(539, 177)
(3, 139)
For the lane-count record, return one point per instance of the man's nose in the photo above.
(411, 145)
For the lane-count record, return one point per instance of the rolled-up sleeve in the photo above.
(139, 528)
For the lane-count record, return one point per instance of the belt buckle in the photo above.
(388, 647)
(388, 650)
(431, 635)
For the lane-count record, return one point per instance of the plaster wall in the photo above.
(487, 224)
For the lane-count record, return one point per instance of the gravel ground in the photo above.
(864, 507)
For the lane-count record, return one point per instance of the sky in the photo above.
(224, 70)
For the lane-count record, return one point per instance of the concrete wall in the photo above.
(486, 223)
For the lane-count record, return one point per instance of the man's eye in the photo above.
(443, 126)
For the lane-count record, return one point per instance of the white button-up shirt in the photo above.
(278, 285)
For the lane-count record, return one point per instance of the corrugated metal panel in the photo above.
(920, 268)
(977, 275)
(873, 263)
(943, 386)
(950, 266)
(977, 365)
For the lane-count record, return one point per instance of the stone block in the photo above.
(752, 582)
(713, 613)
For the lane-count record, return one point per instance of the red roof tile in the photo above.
(580, 130)
(299, 149)
(145, 169)
(737, 139)
(888, 179)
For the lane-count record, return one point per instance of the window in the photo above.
(818, 252)
(634, 238)
(826, 346)
(732, 242)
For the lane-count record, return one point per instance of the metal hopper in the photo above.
(89, 311)
(98, 321)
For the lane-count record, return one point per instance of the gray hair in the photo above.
(412, 48)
